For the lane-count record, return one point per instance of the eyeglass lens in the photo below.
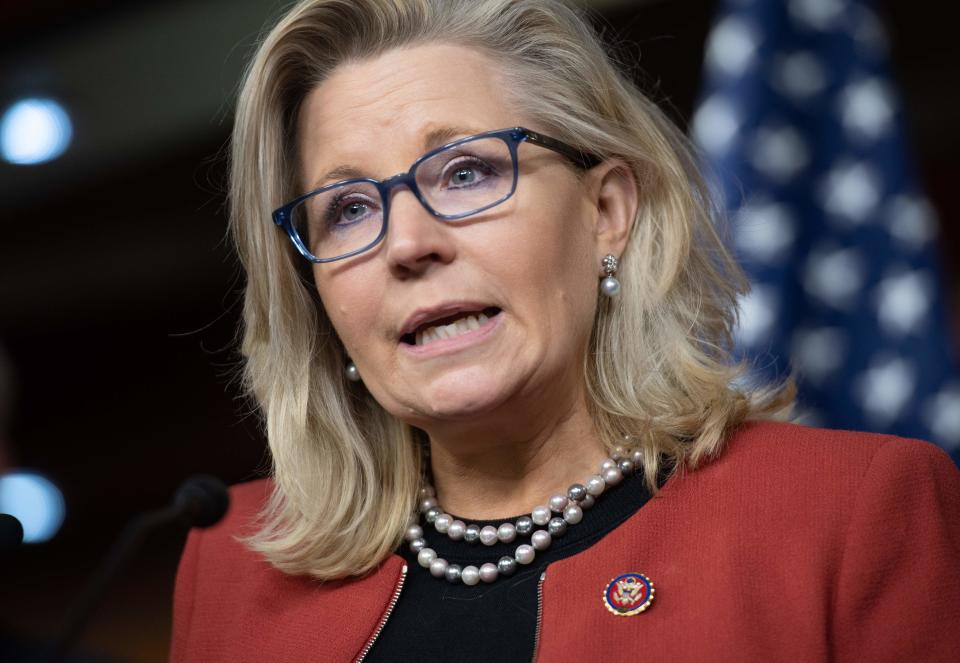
(454, 182)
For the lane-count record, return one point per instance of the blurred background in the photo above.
(119, 293)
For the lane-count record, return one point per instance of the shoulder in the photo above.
(223, 542)
(819, 456)
(247, 501)
(232, 604)
(218, 556)
(814, 487)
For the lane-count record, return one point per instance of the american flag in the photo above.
(802, 130)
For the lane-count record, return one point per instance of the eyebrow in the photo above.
(434, 138)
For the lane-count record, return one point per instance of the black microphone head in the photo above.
(11, 532)
(203, 499)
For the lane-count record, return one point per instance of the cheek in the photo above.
(556, 262)
(561, 243)
(349, 306)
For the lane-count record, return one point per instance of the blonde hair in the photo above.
(346, 473)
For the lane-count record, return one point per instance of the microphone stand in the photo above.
(201, 501)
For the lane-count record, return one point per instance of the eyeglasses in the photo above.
(457, 180)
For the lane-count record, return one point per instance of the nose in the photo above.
(416, 241)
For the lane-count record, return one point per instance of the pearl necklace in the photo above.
(569, 509)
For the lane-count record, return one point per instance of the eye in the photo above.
(463, 176)
(353, 211)
(346, 209)
(467, 172)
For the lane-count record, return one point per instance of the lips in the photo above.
(443, 314)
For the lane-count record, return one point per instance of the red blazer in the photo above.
(797, 544)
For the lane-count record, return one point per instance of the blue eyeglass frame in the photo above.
(283, 216)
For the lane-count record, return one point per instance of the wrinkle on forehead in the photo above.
(373, 115)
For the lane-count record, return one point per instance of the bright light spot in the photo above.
(758, 313)
(715, 125)
(34, 131)
(35, 502)
(731, 46)
(819, 352)
(835, 276)
(942, 414)
(904, 300)
(779, 152)
(886, 389)
(867, 108)
(851, 191)
(765, 230)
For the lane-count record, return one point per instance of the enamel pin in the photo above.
(628, 594)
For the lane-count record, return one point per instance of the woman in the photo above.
(532, 318)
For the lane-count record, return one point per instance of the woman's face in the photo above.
(531, 264)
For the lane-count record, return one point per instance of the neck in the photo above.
(503, 471)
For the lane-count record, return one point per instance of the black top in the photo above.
(434, 620)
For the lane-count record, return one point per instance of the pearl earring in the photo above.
(352, 373)
(609, 286)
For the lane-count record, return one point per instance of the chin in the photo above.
(463, 396)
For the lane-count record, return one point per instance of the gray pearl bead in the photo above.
(612, 476)
(442, 523)
(576, 492)
(453, 573)
(425, 557)
(438, 568)
(637, 458)
(470, 575)
(507, 566)
(524, 554)
(607, 464)
(507, 532)
(427, 491)
(524, 525)
(625, 467)
(413, 533)
(541, 539)
(595, 485)
(456, 530)
(353, 373)
(573, 514)
(417, 545)
(558, 502)
(472, 533)
(489, 572)
(488, 535)
(540, 515)
(431, 515)
(557, 527)
(587, 502)
(610, 286)
(427, 503)
(618, 453)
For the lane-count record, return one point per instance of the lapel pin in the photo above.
(628, 594)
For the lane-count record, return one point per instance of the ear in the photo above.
(613, 191)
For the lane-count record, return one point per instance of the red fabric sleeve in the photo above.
(898, 590)
(184, 593)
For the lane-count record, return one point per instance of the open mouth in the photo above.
(451, 326)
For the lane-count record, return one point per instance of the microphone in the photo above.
(11, 533)
(200, 501)
(203, 500)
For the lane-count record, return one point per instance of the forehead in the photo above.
(375, 113)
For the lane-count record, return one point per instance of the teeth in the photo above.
(462, 326)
